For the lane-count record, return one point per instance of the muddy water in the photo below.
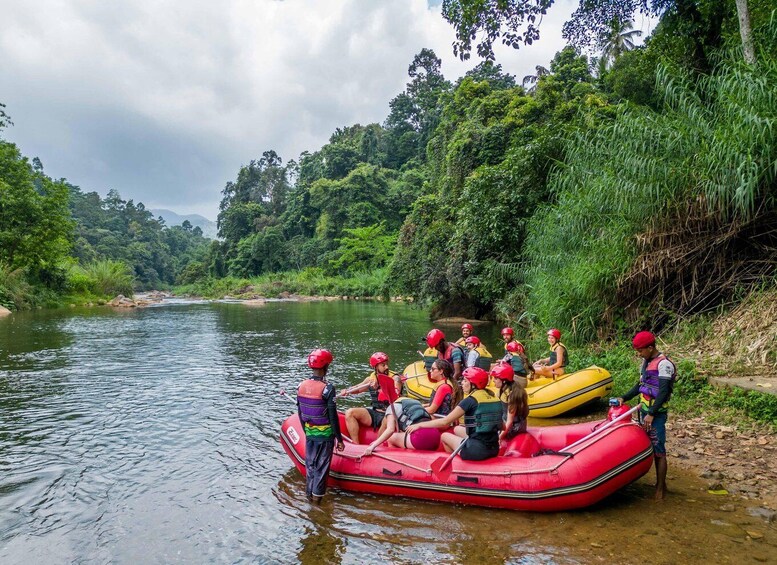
(152, 436)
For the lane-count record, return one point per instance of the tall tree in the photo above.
(618, 39)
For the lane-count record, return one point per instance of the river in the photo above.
(151, 436)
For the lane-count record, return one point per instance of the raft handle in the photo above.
(460, 479)
(397, 473)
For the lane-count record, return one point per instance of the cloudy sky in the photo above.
(165, 100)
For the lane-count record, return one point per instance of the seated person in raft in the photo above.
(372, 416)
(553, 365)
(482, 413)
(406, 411)
(516, 357)
(448, 394)
(515, 400)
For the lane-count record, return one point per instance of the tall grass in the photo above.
(715, 142)
(101, 278)
(15, 292)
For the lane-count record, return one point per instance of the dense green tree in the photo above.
(35, 225)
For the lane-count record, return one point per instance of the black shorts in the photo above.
(377, 417)
(476, 450)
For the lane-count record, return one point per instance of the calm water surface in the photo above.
(151, 436)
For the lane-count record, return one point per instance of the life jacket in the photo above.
(312, 407)
(518, 361)
(379, 399)
(487, 418)
(553, 358)
(445, 406)
(412, 413)
(461, 342)
(430, 356)
(485, 359)
(504, 397)
(448, 354)
(649, 382)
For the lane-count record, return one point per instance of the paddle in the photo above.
(598, 430)
(440, 465)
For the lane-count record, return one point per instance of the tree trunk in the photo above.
(745, 31)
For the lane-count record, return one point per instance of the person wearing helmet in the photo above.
(516, 357)
(440, 349)
(405, 412)
(372, 416)
(448, 394)
(473, 357)
(508, 335)
(515, 401)
(317, 412)
(482, 413)
(656, 382)
(466, 331)
(554, 364)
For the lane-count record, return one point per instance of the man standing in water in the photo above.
(318, 413)
(657, 377)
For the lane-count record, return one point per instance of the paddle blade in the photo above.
(441, 469)
(387, 386)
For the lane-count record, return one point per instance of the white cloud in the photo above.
(164, 100)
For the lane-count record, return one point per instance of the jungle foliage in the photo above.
(56, 240)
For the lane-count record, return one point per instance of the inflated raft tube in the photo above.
(547, 397)
(546, 469)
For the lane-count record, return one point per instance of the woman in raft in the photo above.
(406, 411)
(482, 413)
(516, 358)
(515, 401)
(448, 394)
(553, 365)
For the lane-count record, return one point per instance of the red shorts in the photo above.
(425, 439)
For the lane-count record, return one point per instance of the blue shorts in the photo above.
(657, 432)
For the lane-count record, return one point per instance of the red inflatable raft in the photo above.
(547, 469)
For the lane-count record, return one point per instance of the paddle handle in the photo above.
(599, 430)
(453, 455)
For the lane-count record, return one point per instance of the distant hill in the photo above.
(172, 219)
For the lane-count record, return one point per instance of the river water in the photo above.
(151, 436)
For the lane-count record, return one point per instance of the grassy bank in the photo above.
(308, 282)
(94, 283)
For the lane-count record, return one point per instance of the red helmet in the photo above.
(377, 358)
(503, 371)
(476, 376)
(555, 333)
(434, 337)
(643, 339)
(473, 339)
(508, 331)
(319, 358)
(514, 347)
(467, 327)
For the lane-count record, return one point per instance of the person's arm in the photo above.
(356, 389)
(439, 396)
(633, 391)
(508, 424)
(299, 414)
(390, 429)
(331, 410)
(455, 414)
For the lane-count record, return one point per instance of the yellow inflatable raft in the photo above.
(547, 397)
